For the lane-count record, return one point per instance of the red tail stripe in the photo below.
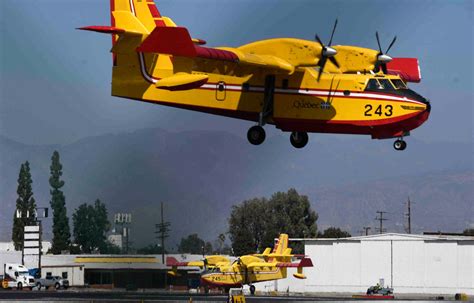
(153, 10)
(160, 23)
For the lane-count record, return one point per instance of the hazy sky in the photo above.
(55, 80)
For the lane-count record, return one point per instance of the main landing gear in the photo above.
(400, 144)
(252, 290)
(299, 139)
(256, 135)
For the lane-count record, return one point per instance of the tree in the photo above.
(219, 243)
(151, 249)
(247, 225)
(469, 232)
(291, 213)
(61, 231)
(192, 244)
(333, 232)
(90, 225)
(25, 204)
(254, 224)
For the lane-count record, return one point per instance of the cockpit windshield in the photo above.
(379, 84)
(212, 270)
(399, 84)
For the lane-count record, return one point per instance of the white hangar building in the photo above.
(409, 263)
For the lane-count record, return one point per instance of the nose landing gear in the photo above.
(400, 144)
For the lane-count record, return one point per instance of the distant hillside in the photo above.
(201, 174)
(441, 201)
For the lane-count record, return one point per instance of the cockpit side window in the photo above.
(379, 84)
(399, 84)
(386, 84)
(373, 84)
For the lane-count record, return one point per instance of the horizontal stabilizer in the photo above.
(174, 41)
(103, 29)
(305, 262)
(182, 81)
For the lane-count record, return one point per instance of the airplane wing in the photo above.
(176, 41)
(305, 262)
(171, 261)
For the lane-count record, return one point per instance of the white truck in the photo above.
(17, 276)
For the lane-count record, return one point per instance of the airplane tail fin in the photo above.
(281, 244)
(145, 11)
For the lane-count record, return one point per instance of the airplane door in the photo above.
(220, 91)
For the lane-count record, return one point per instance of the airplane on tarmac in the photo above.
(219, 271)
(299, 86)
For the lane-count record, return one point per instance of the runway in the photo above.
(162, 296)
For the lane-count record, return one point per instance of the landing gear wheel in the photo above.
(256, 135)
(252, 290)
(400, 145)
(38, 286)
(299, 139)
(19, 286)
(57, 286)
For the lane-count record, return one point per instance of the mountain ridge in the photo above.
(201, 174)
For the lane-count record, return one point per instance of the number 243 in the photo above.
(388, 110)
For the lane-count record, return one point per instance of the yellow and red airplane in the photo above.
(219, 271)
(299, 86)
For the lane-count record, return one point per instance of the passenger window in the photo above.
(64, 274)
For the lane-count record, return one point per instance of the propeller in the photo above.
(327, 52)
(383, 58)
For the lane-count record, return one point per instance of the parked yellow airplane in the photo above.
(219, 271)
(299, 86)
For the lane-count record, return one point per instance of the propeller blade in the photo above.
(378, 41)
(390, 46)
(319, 40)
(321, 64)
(333, 30)
(334, 61)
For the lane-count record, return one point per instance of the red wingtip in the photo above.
(171, 261)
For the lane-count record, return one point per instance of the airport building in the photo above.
(409, 263)
(416, 264)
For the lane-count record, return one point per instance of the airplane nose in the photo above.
(428, 106)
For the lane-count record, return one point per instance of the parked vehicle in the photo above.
(17, 276)
(52, 281)
(379, 290)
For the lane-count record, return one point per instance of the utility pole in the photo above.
(162, 229)
(408, 214)
(381, 219)
(366, 228)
